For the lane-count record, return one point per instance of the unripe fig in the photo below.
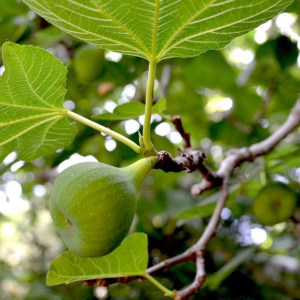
(93, 204)
(274, 203)
(88, 63)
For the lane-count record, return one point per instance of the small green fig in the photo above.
(274, 203)
(93, 204)
(88, 63)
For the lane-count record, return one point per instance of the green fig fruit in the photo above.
(93, 204)
(88, 63)
(274, 203)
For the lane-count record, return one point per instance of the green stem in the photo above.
(117, 136)
(148, 108)
(160, 286)
(139, 169)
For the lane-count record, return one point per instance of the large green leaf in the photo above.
(33, 120)
(129, 259)
(158, 29)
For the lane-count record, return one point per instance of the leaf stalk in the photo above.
(166, 291)
(148, 107)
(117, 136)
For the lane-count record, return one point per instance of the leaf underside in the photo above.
(32, 89)
(129, 259)
(158, 29)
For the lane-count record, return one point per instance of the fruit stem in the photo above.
(139, 169)
(117, 136)
(148, 106)
(166, 291)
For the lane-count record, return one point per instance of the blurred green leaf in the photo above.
(200, 211)
(214, 281)
(49, 36)
(200, 74)
(284, 158)
(12, 8)
(88, 63)
(13, 20)
(129, 259)
(131, 110)
(160, 106)
(281, 49)
(204, 208)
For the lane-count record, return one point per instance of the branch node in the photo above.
(189, 160)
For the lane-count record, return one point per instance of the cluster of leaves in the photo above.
(34, 122)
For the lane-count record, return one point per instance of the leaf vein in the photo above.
(28, 82)
(22, 120)
(165, 49)
(27, 130)
(216, 29)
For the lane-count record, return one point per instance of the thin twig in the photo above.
(176, 120)
(199, 247)
(237, 156)
(197, 250)
(195, 286)
(214, 221)
(187, 255)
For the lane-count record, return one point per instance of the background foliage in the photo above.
(227, 98)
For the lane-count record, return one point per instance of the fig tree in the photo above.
(93, 204)
(274, 203)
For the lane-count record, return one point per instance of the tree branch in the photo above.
(214, 221)
(196, 252)
(194, 287)
(188, 161)
(237, 156)
(220, 178)
(176, 120)
(187, 255)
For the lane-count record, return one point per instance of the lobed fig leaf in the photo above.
(93, 204)
(33, 120)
